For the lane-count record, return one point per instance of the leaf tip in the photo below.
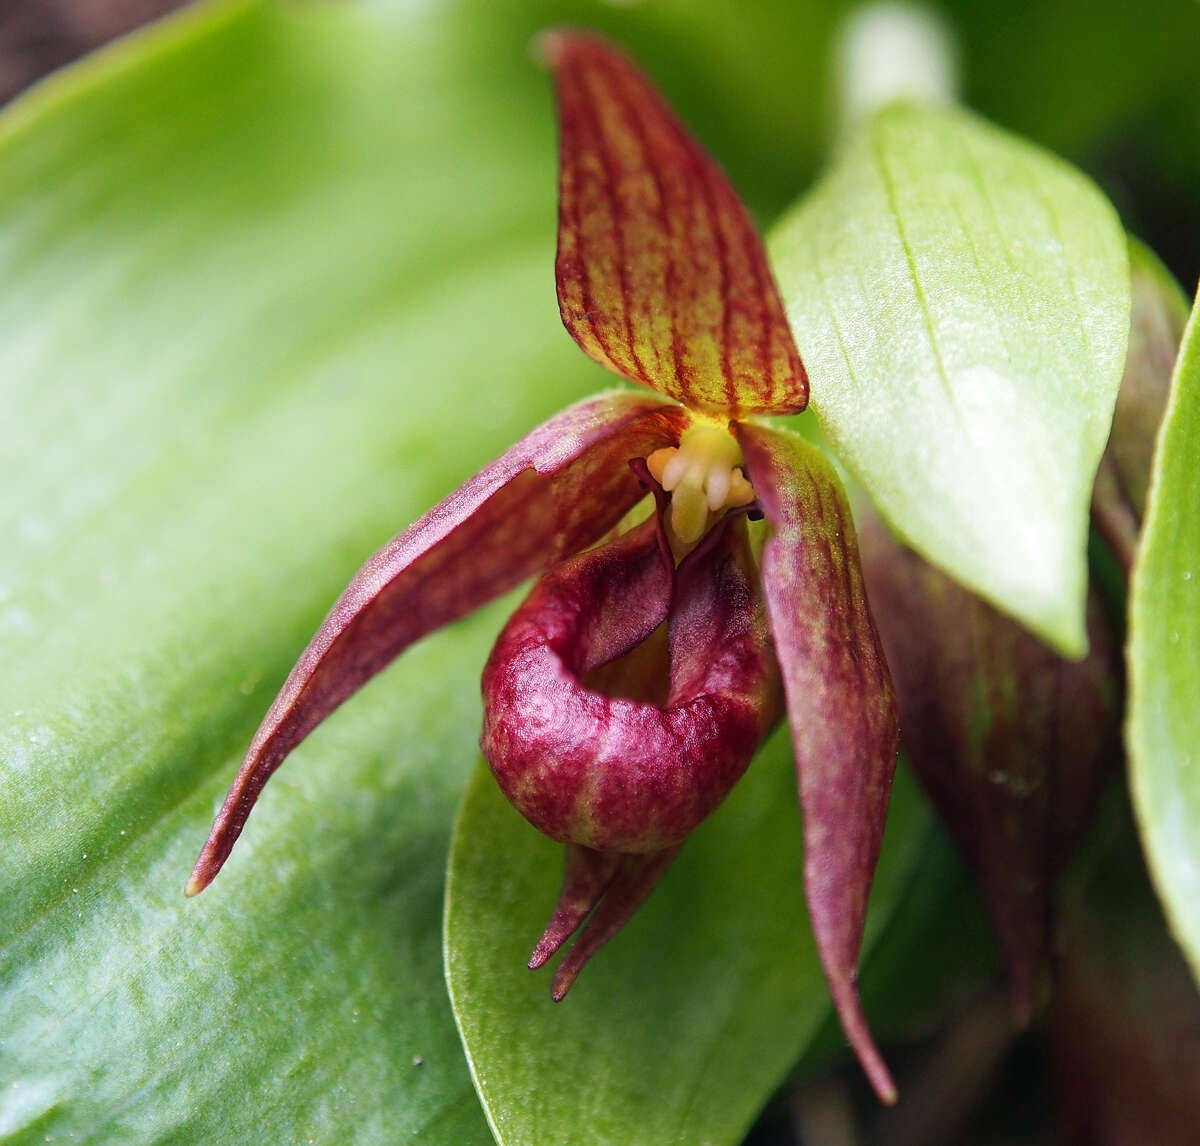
(1068, 636)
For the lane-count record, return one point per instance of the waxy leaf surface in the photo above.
(961, 301)
(256, 316)
(1163, 731)
(224, 362)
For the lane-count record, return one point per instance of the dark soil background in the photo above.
(37, 36)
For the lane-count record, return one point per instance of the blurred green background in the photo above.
(1112, 86)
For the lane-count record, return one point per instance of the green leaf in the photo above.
(255, 317)
(1163, 731)
(961, 301)
(684, 1024)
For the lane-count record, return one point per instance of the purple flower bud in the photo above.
(1012, 742)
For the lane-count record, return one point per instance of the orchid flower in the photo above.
(653, 656)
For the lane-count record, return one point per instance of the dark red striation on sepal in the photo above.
(561, 487)
(662, 276)
(840, 702)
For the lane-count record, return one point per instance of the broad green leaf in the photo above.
(232, 320)
(684, 1024)
(961, 301)
(1163, 731)
(256, 314)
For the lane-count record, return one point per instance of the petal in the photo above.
(839, 699)
(661, 274)
(635, 879)
(606, 885)
(586, 876)
(558, 489)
